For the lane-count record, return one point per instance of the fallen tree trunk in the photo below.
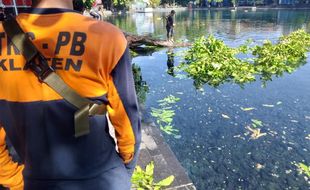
(136, 41)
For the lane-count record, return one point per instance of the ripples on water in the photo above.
(215, 146)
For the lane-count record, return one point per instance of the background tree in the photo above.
(154, 3)
(121, 4)
(234, 3)
(88, 4)
(179, 2)
(219, 2)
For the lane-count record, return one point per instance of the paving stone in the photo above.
(191, 187)
(154, 131)
(161, 170)
(144, 158)
(182, 187)
(148, 141)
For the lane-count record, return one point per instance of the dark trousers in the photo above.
(113, 179)
(169, 32)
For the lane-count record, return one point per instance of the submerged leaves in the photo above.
(211, 61)
(255, 133)
(256, 123)
(164, 115)
(168, 100)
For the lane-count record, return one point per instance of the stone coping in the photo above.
(154, 148)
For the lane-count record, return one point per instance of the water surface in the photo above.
(216, 150)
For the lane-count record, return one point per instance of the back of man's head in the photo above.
(78, 5)
(35, 2)
(52, 3)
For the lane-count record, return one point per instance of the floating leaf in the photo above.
(303, 169)
(177, 136)
(225, 116)
(247, 109)
(255, 133)
(268, 105)
(259, 166)
(256, 122)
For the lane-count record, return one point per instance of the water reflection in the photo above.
(229, 24)
(141, 86)
(144, 23)
(170, 62)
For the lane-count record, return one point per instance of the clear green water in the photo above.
(217, 152)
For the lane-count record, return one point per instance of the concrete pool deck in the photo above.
(154, 148)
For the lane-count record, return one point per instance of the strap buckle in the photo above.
(97, 109)
(40, 67)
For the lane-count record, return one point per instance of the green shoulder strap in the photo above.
(39, 66)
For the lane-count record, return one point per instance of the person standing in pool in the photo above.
(170, 25)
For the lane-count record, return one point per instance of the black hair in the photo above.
(172, 12)
(78, 5)
(34, 2)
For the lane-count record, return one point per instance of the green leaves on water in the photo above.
(285, 56)
(170, 130)
(255, 132)
(164, 115)
(211, 61)
(144, 180)
(168, 100)
(256, 123)
(303, 169)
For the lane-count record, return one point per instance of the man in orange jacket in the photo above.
(92, 57)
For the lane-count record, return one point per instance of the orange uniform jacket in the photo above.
(91, 57)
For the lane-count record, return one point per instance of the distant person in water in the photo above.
(170, 25)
